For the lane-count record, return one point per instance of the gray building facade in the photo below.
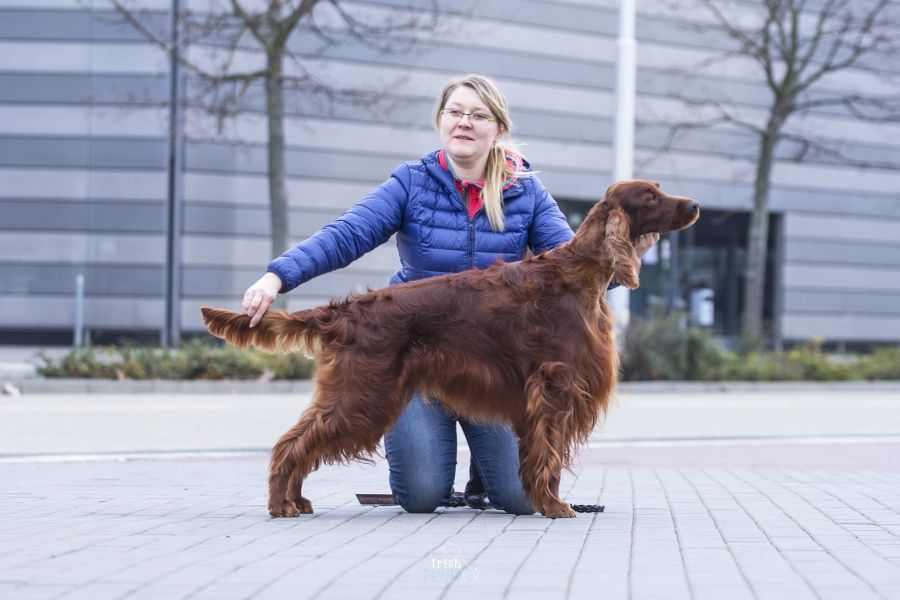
(83, 180)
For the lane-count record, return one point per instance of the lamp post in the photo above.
(170, 334)
(623, 143)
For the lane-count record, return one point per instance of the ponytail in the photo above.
(504, 163)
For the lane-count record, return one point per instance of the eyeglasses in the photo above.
(477, 117)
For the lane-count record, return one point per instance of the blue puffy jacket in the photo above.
(435, 236)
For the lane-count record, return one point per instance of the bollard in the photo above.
(79, 310)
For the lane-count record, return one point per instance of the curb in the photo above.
(696, 387)
(107, 386)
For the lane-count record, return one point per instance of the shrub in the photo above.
(815, 365)
(653, 349)
(200, 360)
(292, 365)
(195, 359)
(137, 362)
(78, 362)
(664, 349)
(759, 366)
(883, 363)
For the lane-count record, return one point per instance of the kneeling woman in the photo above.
(462, 206)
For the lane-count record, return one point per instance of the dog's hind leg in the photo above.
(544, 438)
(344, 423)
(286, 458)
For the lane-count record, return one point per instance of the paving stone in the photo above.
(198, 528)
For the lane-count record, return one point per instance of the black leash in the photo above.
(588, 507)
(458, 501)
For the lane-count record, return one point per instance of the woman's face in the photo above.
(467, 140)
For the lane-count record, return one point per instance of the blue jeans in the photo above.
(421, 453)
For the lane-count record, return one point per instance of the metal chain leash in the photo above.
(457, 501)
(588, 508)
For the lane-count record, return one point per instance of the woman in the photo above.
(460, 207)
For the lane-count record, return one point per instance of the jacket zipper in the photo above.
(470, 252)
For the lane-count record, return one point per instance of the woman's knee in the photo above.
(419, 496)
(517, 507)
(511, 499)
(421, 453)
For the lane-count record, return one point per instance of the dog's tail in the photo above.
(278, 331)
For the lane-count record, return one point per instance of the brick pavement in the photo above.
(197, 528)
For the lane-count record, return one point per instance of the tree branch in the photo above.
(252, 22)
(368, 34)
(129, 17)
(858, 47)
(810, 148)
(824, 15)
(747, 40)
(289, 23)
(889, 107)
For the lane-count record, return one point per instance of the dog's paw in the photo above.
(558, 511)
(288, 508)
(305, 506)
(283, 509)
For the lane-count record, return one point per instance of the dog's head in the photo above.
(633, 208)
(647, 209)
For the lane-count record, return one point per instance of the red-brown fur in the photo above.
(528, 342)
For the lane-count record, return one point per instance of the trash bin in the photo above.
(703, 311)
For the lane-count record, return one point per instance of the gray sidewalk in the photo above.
(198, 529)
(769, 494)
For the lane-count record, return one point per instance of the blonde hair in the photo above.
(497, 171)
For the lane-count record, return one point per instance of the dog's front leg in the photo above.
(559, 508)
(540, 468)
(543, 439)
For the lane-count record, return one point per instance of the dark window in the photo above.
(711, 254)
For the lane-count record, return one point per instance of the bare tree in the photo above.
(225, 71)
(795, 45)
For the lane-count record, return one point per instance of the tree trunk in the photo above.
(757, 244)
(278, 197)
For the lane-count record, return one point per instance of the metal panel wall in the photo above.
(82, 182)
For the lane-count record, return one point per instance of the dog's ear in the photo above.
(618, 246)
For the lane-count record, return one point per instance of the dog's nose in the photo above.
(693, 207)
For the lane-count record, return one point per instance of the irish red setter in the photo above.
(528, 342)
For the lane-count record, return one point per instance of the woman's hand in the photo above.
(260, 296)
(644, 243)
